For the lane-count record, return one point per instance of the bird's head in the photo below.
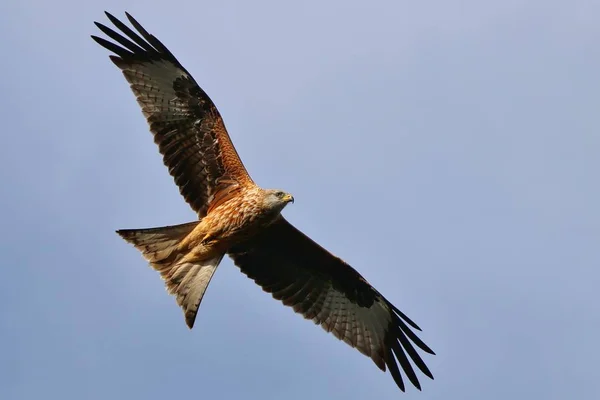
(276, 199)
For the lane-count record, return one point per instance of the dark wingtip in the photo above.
(408, 320)
(400, 355)
(423, 367)
(395, 371)
(131, 19)
(124, 233)
(425, 348)
(417, 385)
(118, 61)
(190, 318)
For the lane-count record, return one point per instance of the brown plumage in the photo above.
(238, 218)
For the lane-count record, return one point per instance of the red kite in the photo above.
(238, 218)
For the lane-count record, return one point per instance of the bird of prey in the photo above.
(238, 218)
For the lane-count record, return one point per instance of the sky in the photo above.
(446, 150)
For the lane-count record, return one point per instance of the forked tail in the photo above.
(186, 280)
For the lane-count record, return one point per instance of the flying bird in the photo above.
(238, 218)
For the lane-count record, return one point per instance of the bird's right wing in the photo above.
(186, 124)
(323, 288)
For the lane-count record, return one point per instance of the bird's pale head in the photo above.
(276, 199)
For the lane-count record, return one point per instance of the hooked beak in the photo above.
(288, 198)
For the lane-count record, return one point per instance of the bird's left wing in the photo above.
(323, 288)
(186, 124)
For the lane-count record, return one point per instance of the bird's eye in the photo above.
(280, 194)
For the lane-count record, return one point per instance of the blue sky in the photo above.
(447, 150)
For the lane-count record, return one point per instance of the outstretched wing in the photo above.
(186, 124)
(323, 288)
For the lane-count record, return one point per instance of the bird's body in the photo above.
(238, 218)
(233, 221)
(176, 252)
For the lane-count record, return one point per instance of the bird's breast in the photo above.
(237, 220)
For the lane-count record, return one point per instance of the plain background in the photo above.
(447, 150)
